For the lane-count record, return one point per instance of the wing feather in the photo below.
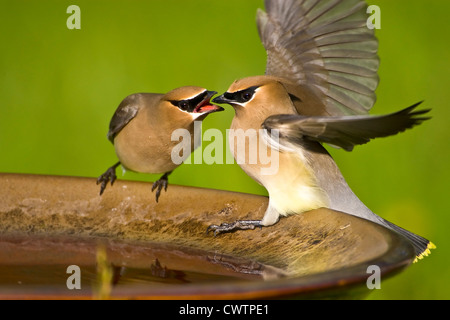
(343, 131)
(125, 112)
(326, 45)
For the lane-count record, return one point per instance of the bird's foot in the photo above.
(163, 182)
(233, 226)
(109, 175)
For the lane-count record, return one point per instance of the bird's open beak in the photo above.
(205, 106)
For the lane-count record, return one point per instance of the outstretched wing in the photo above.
(343, 131)
(325, 45)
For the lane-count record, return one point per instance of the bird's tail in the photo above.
(421, 245)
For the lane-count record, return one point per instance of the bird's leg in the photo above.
(163, 182)
(236, 225)
(109, 175)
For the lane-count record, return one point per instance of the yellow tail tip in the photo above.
(426, 252)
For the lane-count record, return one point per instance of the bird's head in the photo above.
(257, 95)
(195, 101)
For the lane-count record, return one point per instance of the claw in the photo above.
(236, 225)
(211, 227)
(163, 182)
(109, 175)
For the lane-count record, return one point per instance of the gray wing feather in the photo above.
(324, 44)
(125, 112)
(344, 131)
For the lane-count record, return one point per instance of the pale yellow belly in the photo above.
(287, 177)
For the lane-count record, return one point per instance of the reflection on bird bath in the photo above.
(128, 246)
(43, 261)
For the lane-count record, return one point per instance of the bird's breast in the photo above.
(145, 147)
(287, 176)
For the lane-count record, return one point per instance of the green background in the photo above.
(60, 87)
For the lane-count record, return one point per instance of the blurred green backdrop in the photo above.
(60, 87)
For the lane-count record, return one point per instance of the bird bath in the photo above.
(162, 251)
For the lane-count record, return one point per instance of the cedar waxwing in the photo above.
(142, 127)
(319, 85)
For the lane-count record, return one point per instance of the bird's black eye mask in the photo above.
(241, 96)
(189, 105)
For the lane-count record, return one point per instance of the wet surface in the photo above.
(41, 260)
(128, 246)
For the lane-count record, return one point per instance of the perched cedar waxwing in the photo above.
(319, 85)
(142, 127)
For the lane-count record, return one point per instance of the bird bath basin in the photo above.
(128, 246)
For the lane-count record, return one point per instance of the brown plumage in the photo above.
(320, 82)
(142, 127)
